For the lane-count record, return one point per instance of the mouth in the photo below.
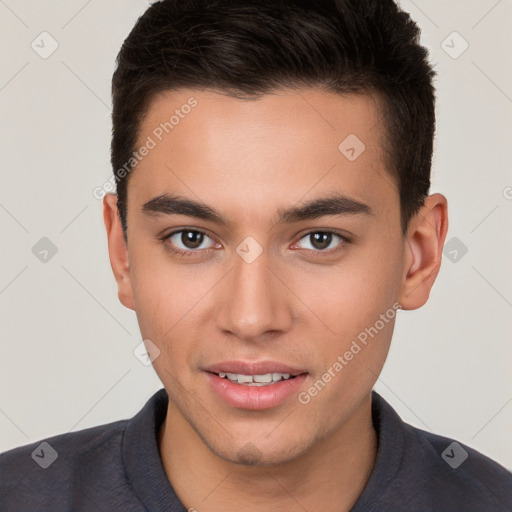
(266, 379)
(255, 386)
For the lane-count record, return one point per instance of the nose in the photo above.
(255, 304)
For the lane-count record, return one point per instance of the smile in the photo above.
(266, 379)
(254, 385)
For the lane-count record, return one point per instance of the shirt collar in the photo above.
(141, 457)
(146, 474)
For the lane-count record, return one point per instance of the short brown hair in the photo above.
(251, 47)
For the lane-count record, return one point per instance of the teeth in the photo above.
(255, 380)
(262, 378)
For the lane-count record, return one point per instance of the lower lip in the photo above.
(255, 398)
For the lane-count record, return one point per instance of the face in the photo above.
(266, 281)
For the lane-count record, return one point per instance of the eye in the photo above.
(323, 241)
(188, 241)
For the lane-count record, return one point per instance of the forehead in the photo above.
(291, 112)
(284, 145)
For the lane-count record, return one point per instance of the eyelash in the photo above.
(193, 252)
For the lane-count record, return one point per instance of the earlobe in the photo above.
(424, 250)
(118, 251)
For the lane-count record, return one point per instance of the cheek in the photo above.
(356, 305)
(163, 307)
(350, 297)
(168, 300)
(160, 290)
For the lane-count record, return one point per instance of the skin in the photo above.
(247, 159)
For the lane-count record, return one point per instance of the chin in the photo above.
(259, 452)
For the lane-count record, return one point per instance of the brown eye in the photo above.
(322, 241)
(189, 240)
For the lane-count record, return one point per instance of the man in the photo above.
(272, 216)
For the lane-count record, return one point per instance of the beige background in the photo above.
(67, 343)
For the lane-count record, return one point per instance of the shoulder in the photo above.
(63, 449)
(89, 469)
(420, 470)
(51, 470)
(463, 474)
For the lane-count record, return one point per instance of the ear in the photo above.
(118, 251)
(424, 251)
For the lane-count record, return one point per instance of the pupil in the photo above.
(192, 239)
(321, 240)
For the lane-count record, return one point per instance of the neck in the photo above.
(329, 477)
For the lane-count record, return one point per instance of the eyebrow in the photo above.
(334, 204)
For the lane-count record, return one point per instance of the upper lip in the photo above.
(253, 368)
